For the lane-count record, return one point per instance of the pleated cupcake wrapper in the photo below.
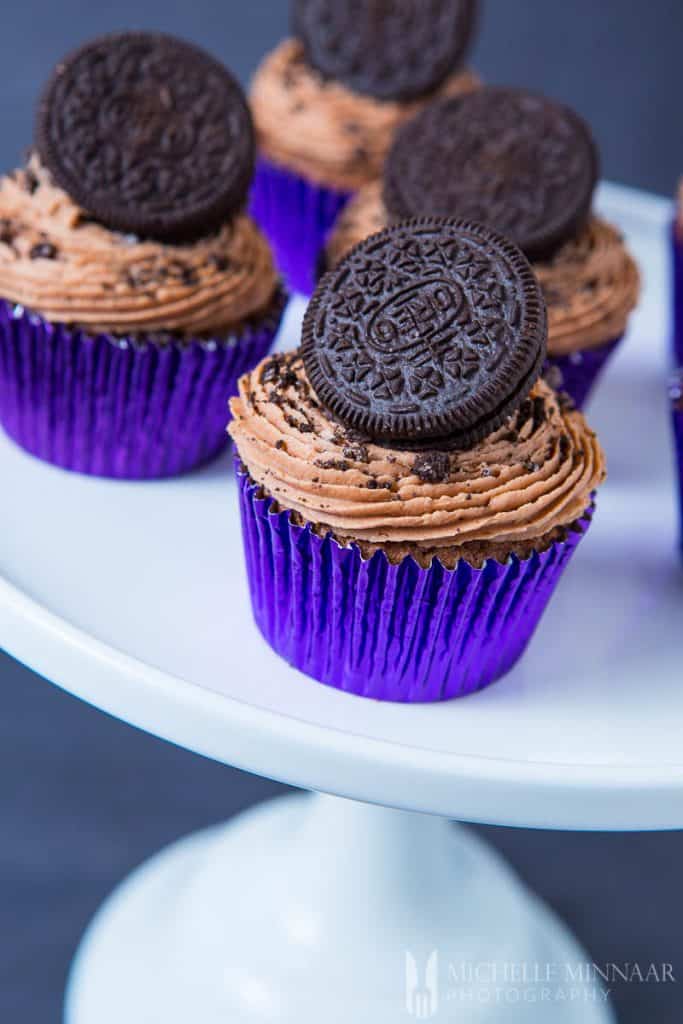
(578, 372)
(676, 395)
(296, 215)
(677, 293)
(117, 407)
(391, 632)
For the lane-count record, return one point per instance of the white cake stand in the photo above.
(132, 596)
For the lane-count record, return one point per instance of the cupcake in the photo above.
(677, 240)
(327, 102)
(676, 395)
(135, 289)
(410, 489)
(526, 166)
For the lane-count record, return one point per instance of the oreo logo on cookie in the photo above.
(390, 49)
(522, 164)
(425, 311)
(428, 334)
(149, 134)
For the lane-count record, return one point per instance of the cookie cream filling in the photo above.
(57, 262)
(532, 476)
(323, 130)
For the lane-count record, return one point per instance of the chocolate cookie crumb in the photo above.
(30, 181)
(356, 435)
(303, 426)
(539, 413)
(339, 464)
(275, 398)
(218, 262)
(140, 277)
(270, 373)
(432, 467)
(565, 446)
(43, 251)
(356, 452)
(524, 414)
(6, 231)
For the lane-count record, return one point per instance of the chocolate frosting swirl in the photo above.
(323, 130)
(57, 262)
(532, 476)
(591, 284)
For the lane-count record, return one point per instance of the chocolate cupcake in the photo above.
(526, 166)
(327, 103)
(135, 290)
(410, 490)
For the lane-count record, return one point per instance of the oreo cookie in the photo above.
(389, 49)
(513, 160)
(427, 335)
(148, 134)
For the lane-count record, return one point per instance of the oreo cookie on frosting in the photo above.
(150, 135)
(389, 49)
(427, 335)
(516, 161)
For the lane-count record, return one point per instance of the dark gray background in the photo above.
(617, 61)
(84, 798)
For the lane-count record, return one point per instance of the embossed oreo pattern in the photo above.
(149, 134)
(517, 162)
(428, 333)
(390, 49)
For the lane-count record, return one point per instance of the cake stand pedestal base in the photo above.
(317, 909)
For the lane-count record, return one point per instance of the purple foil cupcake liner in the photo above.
(676, 395)
(296, 215)
(578, 372)
(128, 408)
(677, 293)
(390, 632)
